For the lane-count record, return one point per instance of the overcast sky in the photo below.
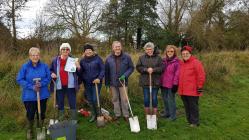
(26, 25)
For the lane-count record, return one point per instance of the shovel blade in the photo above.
(41, 133)
(100, 121)
(134, 124)
(151, 122)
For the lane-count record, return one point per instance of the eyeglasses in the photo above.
(170, 51)
(185, 53)
(65, 49)
(33, 55)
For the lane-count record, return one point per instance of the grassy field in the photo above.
(223, 108)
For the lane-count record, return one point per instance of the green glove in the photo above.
(122, 78)
(107, 87)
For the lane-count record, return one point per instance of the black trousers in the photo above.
(31, 109)
(191, 109)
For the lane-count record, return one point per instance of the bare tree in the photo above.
(172, 12)
(79, 17)
(11, 9)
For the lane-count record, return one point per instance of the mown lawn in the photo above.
(222, 115)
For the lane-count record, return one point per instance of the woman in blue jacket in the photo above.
(91, 72)
(31, 71)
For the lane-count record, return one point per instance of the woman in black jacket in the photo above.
(150, 64)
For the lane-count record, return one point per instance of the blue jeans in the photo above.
(169, 103)
(71, 97)
(90, 92)
(146, 92)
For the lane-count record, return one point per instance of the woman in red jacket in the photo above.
(191, 81)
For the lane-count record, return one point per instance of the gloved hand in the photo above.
(174, 88)
(122, 78)
(96, 81)
(200, 90)
(37, 86)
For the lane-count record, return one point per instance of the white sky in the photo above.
(26, 25)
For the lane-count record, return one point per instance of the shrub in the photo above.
(219, 67)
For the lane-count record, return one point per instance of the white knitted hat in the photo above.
(65, 45)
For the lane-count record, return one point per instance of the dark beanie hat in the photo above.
(87, 46)
(188, 48)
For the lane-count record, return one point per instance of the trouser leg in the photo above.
(146, 97)
(115, 101)
(165, 102)
(43, 110)
(71, 96)
(60, 95)
(186, 106)
(124, 102)
(30, 107)
(194, 110)
(172, 104)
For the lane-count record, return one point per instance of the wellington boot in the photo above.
(93, 118)
(93, 113)
(146, 111)
(42, 123)
(73, 114)
(154, 111)
(30, 131)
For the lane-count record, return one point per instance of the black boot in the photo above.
(42, 123)
(93, 113)
(73, 114)
(30, 131)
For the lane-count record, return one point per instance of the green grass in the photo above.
(223, 110)
(222, 116)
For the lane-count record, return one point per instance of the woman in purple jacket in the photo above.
(169, 80)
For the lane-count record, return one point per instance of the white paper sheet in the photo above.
(70, 65)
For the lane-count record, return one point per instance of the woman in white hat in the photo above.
(66, 82)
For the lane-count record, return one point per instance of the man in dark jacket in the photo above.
(118, 67)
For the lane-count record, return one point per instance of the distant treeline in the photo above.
(206, 25)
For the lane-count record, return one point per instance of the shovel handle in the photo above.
(97, 94)
(150, 82)
(38, 104)
(150, 86)
(54, 93)
(126, 95)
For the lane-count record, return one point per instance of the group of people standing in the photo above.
(169, 74)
